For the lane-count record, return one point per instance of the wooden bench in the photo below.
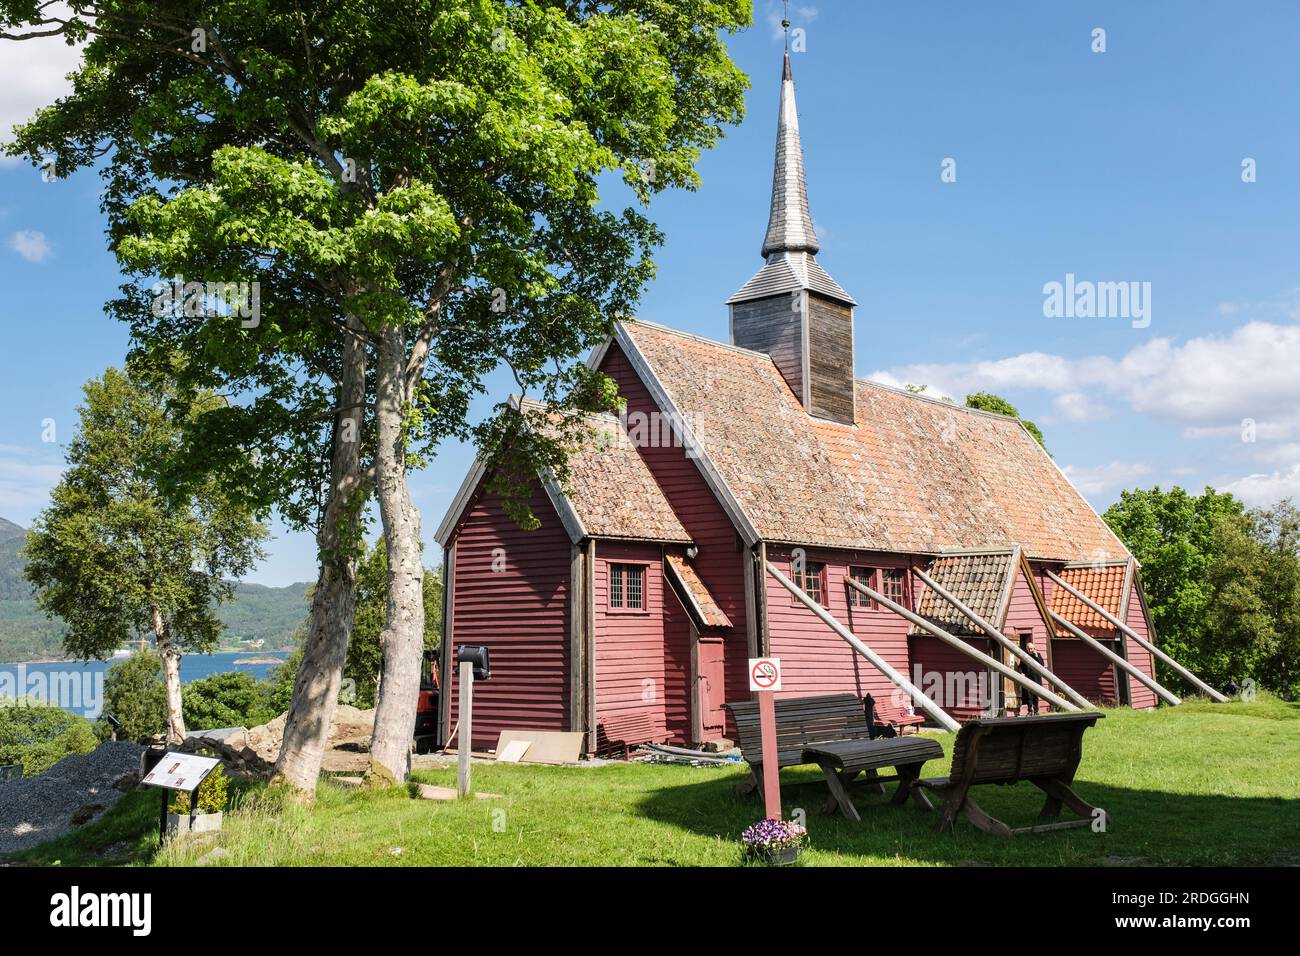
(1045, 750)
(831, 731)
(843, 760)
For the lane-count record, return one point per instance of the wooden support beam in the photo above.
(958, 644)
(1078, 699)
(918, 696)
(1115, 659)
(1125, 629)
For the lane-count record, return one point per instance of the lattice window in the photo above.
(627, 587)
(864, 576)
(812, 578)
(893, 585)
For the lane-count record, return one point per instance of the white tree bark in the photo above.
(316, 690)
(403, 634)
(171, 664)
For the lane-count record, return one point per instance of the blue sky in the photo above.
(1115, 166)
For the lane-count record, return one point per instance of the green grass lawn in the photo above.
(1193, 785)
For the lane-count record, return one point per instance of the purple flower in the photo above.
(768, 836)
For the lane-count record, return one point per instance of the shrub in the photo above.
(212, 794)
(135, 695)
(39, 735)
(232, 699)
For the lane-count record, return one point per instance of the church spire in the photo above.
(789, 224)
(791, 309)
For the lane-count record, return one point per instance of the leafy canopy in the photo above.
(115, 546)
(432, 167)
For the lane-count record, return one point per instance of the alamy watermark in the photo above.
(80, 691)
(1084, 299)
(200, 300)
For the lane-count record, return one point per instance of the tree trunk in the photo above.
(403, 634)
(316, 690)
(171, 663)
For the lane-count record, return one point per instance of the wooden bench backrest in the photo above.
(801, 721)
(1007, 749)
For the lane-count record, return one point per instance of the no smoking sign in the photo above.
(765, 673)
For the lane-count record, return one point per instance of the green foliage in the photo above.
(988, 402)
(365, 652)
(212, 795)
(39, 735)
(1223, 583)
(232, 699)
(117, 553)
(429, 169)
(135, 695)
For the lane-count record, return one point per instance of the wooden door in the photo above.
(710, 693)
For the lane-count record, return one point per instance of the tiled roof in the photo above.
(914, 475)
(1102, 583)
(705, 608)
(610, 488)
(980, 580)
(786, 272)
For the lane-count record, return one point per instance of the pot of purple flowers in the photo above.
(774, 841)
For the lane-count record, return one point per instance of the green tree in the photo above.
(232, 699)
(135, 696)
(117, 553)
(39, 735)
(365, 650)
(416, 187)
(988, 402)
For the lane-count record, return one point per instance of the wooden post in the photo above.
(466, 726)
(1141, 641)
(771, 771)
(1002, 639)
(918, 696)
(1167, 696)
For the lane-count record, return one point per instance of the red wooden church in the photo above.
(730, 512)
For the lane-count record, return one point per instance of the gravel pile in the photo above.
(40, 808)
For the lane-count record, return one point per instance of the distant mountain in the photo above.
(12, 585)
(256, 611)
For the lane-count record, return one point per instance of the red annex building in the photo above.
(749, 480)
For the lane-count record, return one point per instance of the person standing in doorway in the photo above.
(1029, 698)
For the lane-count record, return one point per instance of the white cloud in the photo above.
(1102, 478)
(32, 75)
(1265, 489)
(31, 245)
(1079, 407)
(1213, 380)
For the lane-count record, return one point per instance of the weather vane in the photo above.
(785, 24)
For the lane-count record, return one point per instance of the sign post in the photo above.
(183, 772)
(466, 726)
(765, 680)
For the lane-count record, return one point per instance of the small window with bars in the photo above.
(811, 577)
(864, 576)
(893, 585)
(627, 587)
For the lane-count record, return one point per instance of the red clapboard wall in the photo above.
(719, 562)
(631, 655)
(816, 660)
(512, 594)
(1140, 695)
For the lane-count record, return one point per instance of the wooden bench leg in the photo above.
(749, 784)
(983, 821)
(839, 792)
(952, 805)
(873, 783)
(1059, 791)
(908, 776)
